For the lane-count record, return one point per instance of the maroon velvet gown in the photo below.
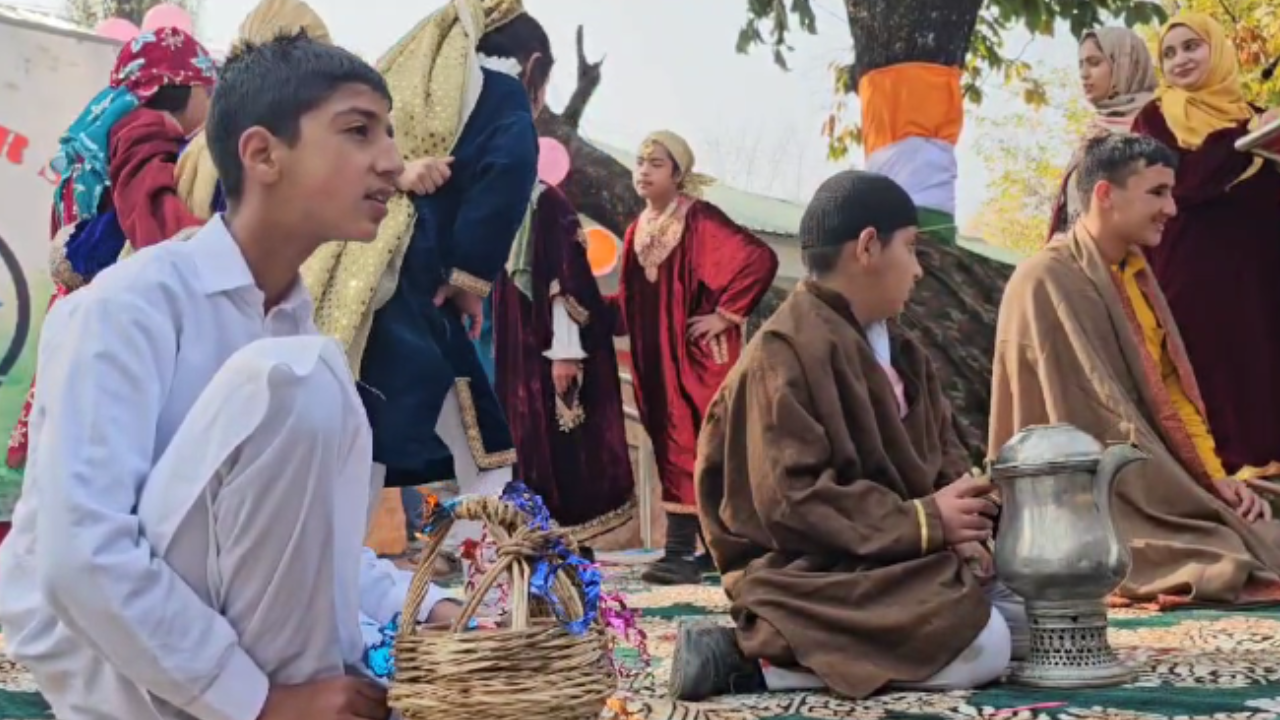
(717, 266)
(584, 476)
(1219, 266)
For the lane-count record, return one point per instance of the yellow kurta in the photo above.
(1153, 338)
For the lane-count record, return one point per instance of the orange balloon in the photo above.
(602, 251)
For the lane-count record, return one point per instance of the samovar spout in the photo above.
(1114, 459)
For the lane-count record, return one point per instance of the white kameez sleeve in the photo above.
(566, 339)
(383, 588)
(104, 369)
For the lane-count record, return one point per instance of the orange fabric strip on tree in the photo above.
(910, 100)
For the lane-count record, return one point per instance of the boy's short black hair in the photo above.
(1116, 157)
(843, 207)
(171, 98)
(521, 38)
(272, 85)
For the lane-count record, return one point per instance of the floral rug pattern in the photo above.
(1192, 665)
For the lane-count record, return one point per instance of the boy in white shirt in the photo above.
(189, 539)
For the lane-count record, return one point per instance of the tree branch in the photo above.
(588, 81)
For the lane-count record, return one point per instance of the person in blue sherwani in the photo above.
(430, 402)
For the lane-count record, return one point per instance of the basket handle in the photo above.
(502, 521)
(421, 581)
(505, 524)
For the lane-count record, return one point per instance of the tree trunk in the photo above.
(892, 32)
(952, 312)
(598, 185)
(953, 309)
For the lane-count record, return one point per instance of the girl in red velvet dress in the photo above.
(1220, 257)
(117, 165)
(690, 277)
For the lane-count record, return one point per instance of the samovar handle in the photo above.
(1114, 459)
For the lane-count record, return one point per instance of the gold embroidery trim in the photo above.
(680, 508)
(577, 313)
(924, 526)
(656, 238)
(731, 317)
(719, 349)
(485, 460)
(60, 269)
(469, 283)
(569, 417)
(608, 522)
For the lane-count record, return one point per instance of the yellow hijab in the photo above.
(1218, 101)
(196, 176)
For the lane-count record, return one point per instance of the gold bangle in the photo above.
(924, 526)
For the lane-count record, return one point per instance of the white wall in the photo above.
(47, 76)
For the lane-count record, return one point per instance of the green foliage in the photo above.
(89, 13)
(778, 15)
(1026, 153)
(987, 55)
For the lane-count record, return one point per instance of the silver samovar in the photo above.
(1058, 549)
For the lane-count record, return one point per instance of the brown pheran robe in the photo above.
(811, 492)
(1067, 351)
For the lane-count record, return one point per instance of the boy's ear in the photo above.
(259, 154)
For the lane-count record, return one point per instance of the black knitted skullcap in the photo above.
(852, 201)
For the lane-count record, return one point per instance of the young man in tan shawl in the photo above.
(1085, 337)
(834, 494)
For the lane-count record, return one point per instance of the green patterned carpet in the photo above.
(1192, 664)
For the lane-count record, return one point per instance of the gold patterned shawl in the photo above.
(431, 72)
(196, 176)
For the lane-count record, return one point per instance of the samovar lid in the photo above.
(1041, 449)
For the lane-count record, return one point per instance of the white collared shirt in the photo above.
(132, 352)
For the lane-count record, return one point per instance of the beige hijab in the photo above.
(1133, 85)
(691, 183)
(196, 176)
(1133, 77)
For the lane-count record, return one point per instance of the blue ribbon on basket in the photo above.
(380, 660)
(558, 558)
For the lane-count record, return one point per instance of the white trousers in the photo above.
(274, 540)
(1006, 636)
(471, 479)
(263, 523)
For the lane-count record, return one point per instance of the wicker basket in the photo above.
(530, 670)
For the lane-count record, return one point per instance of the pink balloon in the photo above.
(117, 29)
(553, 161)
(168, 15)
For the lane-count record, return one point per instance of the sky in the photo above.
(671, 64)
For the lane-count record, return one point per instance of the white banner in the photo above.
(47, 76)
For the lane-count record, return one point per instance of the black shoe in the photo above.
(673, 571)
(706, 565)
(586, 553)
(708, 662)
